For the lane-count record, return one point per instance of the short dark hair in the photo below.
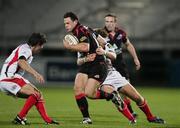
(111, 15)
(37, 38)
(71, 15)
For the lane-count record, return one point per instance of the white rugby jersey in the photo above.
(10, 67)
(109, 48)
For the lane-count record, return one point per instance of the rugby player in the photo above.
(13, 83)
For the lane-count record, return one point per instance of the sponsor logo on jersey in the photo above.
(83, 38)
(14, 87)
(96, 76)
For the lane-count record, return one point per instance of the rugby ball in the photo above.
(71, 39)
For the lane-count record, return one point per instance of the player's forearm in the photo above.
(132, 51)
(101, 40)
(26, 67)
(81, 47)
(110, 55)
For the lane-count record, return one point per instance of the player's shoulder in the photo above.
(80, 30)
(120, 30)
(83, 28)
(25, 48)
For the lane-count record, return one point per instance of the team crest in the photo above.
(96, 76)
(83, 38)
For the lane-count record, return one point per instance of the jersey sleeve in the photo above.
(24, 52)
(124, 36)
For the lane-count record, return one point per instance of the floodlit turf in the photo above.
(60, 104)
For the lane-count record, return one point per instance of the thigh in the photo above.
(115, 79)
(91, 87)
(28, 90)
(80, 83)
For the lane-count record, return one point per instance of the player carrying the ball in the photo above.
(90, 74)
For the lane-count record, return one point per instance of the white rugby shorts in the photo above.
(12, 85)
(115, 79)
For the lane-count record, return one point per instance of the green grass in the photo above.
(61, 105)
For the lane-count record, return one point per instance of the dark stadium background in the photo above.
(153, 27)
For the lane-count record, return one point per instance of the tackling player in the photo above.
(13, 83)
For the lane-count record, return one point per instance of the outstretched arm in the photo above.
(132, 51)
(25, 66)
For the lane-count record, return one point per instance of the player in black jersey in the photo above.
(117, 38)
(90, 74)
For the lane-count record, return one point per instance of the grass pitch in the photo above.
(61, 105)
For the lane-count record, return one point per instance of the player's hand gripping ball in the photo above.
(71, 39)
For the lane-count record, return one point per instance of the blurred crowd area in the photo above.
(153, 27)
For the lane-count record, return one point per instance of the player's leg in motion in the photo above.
(80, 97)
(34, 97)
(96, 76)
(124, 72)
(132, 93)
(93, 92)
(128, 103)
(120, 105)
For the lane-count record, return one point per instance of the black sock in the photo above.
(103, 95)
(130, 108)
(128, 103)
(82, 104)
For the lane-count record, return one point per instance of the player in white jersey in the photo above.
(13, 83)
(114, 81)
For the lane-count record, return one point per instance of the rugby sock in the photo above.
(126, 112)
(82, 104)
(128, 103)
(145, 108)
(27, 106)
(42, 111)
(100, 94)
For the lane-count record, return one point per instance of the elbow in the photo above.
(113, 57)
(20, 62)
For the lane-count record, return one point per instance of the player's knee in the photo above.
(139, 100)
(89, 94)
(37, 95)
(78, 90)
(41, 95)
